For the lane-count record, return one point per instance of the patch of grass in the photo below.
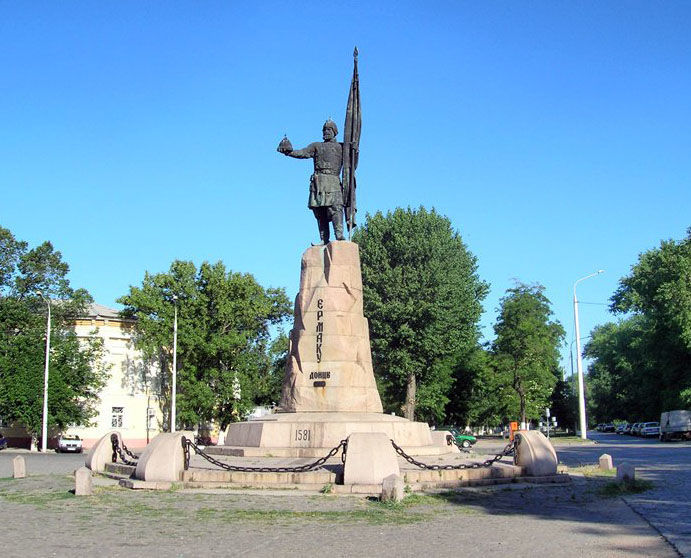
(614, 489)
(327, 488)
(568, 440)
(373, 516)
(38, 499)
(593, 471)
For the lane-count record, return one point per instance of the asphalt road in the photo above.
(41, 464)
(667, 507)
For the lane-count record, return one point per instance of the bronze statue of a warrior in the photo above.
(328, 195)
(326, 191)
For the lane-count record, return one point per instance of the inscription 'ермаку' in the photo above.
(320, 328)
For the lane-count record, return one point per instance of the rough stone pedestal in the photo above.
(329, 365)
(329, 390)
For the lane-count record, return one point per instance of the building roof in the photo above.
(100, 311)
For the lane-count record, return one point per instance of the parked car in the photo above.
(621, 428)
(635, 429)
(69, 443)
(3, 442)
(609, 427)
(627, 429)
(650, 429)
(675, 424)
(463, 440)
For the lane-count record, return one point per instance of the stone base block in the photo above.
(535, 453)
(370, 459)
(163, 459)
(18, 467)
(83, 483)
(314, 434)
(101, 452)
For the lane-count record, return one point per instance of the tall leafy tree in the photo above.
(642, 365)
(29, 279)
(224, 321)
(526, 348)
(422, 296)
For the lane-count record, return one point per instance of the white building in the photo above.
(130, 402)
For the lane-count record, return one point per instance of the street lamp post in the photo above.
(579, 363)
(44, 427)
(175, 364)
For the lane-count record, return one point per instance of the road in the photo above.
(667, 507)
(37, 463)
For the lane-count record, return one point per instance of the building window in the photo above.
(151, 418)
(117, 416)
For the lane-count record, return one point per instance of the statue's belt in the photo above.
(327, 171)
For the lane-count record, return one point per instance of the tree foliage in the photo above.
(642, 365)
(76, 371)
(223, 337)
(422, 296)
(525, 352)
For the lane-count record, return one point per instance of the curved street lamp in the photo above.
(579, 363)
(44, 427)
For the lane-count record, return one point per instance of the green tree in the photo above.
(422, 296)
(76, 371)
(482, 396)
(622, 377)
(526, 348)
(659, 288)
(223, 337)
(641, 366)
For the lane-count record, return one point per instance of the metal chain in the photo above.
(122, 452)
(187, 444)
(508, 450)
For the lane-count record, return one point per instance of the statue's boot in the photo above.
(323, 232)
(338, 225)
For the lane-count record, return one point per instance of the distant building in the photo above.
(130, 402)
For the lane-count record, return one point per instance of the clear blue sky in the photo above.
(556, 136)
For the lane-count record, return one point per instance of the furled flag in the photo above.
(351, 146)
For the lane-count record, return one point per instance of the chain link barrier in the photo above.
(123, 452)
(508, 450)
(189, 444)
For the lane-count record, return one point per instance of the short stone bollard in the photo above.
(83, 485)
(626, 473)
(606, 462)
(19, 467)
(392, 489)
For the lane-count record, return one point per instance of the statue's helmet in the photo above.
(331, 124)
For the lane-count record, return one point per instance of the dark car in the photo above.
(3, 442)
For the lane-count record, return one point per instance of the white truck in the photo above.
(675, 424)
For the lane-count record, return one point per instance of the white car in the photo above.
(649, 429)
(67, 442)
